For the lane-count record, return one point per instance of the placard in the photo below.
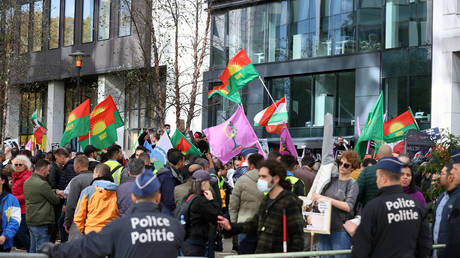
(317, 215)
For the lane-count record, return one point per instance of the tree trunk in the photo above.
(4, 114)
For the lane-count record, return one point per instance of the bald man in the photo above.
(367, 179)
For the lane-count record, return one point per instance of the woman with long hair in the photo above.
(10, 215)
(408, 184)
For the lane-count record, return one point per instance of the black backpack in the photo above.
(183, 209)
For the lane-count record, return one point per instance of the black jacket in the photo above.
(144, 233)
(392, 225)
(203, 214)
(67, 174)
(54, 176)
(453, 239)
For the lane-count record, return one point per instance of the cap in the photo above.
(202, 175)
(198, 135)
(455, 156)
(146, 184)
(390, 163)
(90, 149)
(249, 150)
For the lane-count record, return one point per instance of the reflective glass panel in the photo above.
(104, 20)
(218, 51)
(257, 23)
(124, 23)
(238, 30)
(24, 30)
(277, 31)
(37, 26)
(88, 20)
(69, 22)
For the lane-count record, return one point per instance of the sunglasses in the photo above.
(18, 165)
(345, 165)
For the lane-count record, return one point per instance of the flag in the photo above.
(286, 143)
(104, 121)
(229, 138)
(274, 117)
(159, 154)
(395, 129)
(181, 143)
(77, 123)
(39, 128)
(373, 130)
(239, 72)
(29, 145)
(84, 141)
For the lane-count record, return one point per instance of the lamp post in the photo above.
(78, 56)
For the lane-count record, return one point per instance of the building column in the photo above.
(13, 109)
(55, 113)
(113, 85)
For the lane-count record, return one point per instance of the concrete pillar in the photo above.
(113, 85)
(13, 109)
(55, 113)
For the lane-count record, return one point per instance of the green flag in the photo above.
(373, 129)
(180, 142)
(77, 124)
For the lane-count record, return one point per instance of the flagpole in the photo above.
(266, 89)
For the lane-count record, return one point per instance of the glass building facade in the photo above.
(279, 33)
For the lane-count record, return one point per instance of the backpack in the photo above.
(184, 209)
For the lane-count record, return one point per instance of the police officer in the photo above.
(453, 238)
(393, 224)
(145, 233)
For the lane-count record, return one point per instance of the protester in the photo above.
(393, 224)
(10, 215)
(22, 171)
(97, 205)
(274, 155)
(64, 161)
(453, 238)
(138, 151)
(234, 166)
(407, 182)
(297, 184)
(81, 181)
(114, 155)
(149, 166)
(245, 202)
(91, 153)
(244, 167)
(182, 190)
(130, 236)
(342, 191)
(305, 172)
(125, 203)
(169, 177)
(443, 208)
(40, 201)
(203, 211)
(268, 224)
(367, 179)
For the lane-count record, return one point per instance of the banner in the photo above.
(317, 215)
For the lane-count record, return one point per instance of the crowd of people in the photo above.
(98, 203)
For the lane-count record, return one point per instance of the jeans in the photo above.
(62, 232)
(337, 240)
(22, 236)
(247, 243)
(38, 236)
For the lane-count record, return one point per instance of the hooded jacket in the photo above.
(19, 178)
(97, 206)
(246, 198)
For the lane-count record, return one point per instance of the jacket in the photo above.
(181, 191)
(203, 213)
(54, 176)
(115, 169)
(127, 237)
(246, 198)
(297, 184)
(445, 215)
(11, 218)
(18, 185)
(307, 177)
(77, 185)
(67, 174)
(40, 201)
(393, 225)
(92, 164)
(169, 179)
(124, 201)
(453, 238)
(97, 206)
(367, 185)
(268, 224)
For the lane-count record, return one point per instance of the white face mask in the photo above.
(262, 186)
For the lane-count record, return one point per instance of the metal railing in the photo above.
(305, 254)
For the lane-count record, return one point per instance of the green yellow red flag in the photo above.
(395, 129)
(77, 123)
(104, 121)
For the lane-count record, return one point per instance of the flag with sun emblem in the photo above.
(77, 123)
(104, 120)
(239, 72)
(395, 129)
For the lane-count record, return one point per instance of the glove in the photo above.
(46, 248)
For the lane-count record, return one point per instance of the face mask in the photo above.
(168, 130)
(262, 186)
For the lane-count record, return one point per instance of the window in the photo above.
(257, 24)
(124, 23)
(370, 20)
(69, 22)
(55, 10)
(33, 98)
(303, 29)
(88, 19)
(24, 30)
(37, 26)
(238, 30)
(104, 20)
(277, 31)
(9, 31)
(218, 49)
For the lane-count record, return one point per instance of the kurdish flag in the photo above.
(77, 123)
(39, 128)
(274, 117)
(104, 121)
(395, 129)
(239, 72)
(181, 143)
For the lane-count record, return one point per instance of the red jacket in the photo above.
(17, 191)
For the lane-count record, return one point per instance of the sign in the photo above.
(418, 144)
(317, 215)
(434, 133)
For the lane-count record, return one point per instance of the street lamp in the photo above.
(78, 56)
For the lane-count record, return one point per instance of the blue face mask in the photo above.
(168, 130)
(262, 186)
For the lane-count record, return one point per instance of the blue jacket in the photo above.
(67, 174)
(168, 179)
(11, 218)
(124, 201)
(446, 212)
